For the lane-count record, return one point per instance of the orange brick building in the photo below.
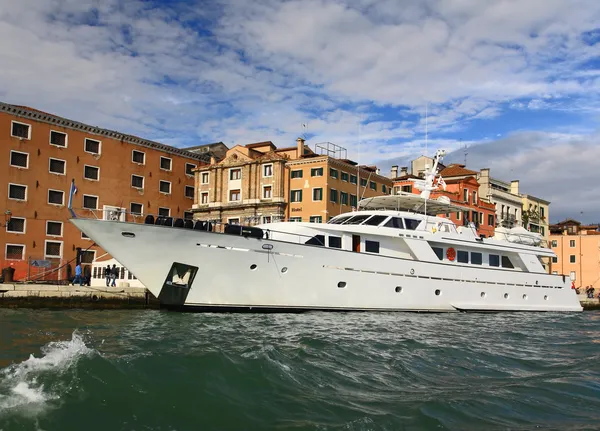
(115, 174)
(462, 188)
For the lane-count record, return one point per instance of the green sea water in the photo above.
(158, 370)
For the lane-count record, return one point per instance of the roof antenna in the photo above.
(426, 112)
(466, 152)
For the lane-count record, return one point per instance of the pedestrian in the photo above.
(113, 275)
(78, 276)
(107, 275)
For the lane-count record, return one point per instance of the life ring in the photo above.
(451, 254)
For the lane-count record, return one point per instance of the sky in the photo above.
(515, 82)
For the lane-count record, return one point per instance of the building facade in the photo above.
(509, 205)
(577, 249)
(116, 175)
(260, 183)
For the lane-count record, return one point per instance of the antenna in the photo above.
(466, 152)
(426, 115)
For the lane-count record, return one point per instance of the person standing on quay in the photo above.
(113, 274)
(78, 277)
(107, 273)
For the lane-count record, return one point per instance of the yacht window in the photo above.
(358, 219)
(439, 251)
(411, 224)
(506, 263)
(476, 258)
(335, 242)
(494, 260)
(371, 246)
(316, 240)
(462, 256)
(394, 222)
(338, 220)
(375, 220)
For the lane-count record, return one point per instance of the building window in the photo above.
(58, 138)
(165, 163)
(16, 225)
(235, 174)
(363, 182)
(135, 208)
(164, 212)
(458, 215)
(572, 243)
(296, 174)
(573, 276)
(384, 189)
(138, 157)
(54, 228)
(56, 197)
(267, 192)
(233, 220)
(353, 179)
(188, 215)
(333, 173)
(465, 195)
(91, 173)
(316, 219)
(296, 196)
(234, 195)
(344, 198)
(353, 201)
(19, 160)
(295, 219)
(189, 167)
(88, 256)
(204, 197)
(20, 130)
(371, 246)
(554, 259)
(333, 195)
(490, 220)
(554, 243)
(316, 172)
(318, 194)
(204, 178)
(267, 170)
(15, 252)
(91, 146)
(345, 176)
(53, 249)
(189, 192)
(572, 258)
(57, 166)
(90, 202)
(165, 187)
(474, 197)
(17, 192)
(266, 219)
(542, 212)
(137, 182)
(407, 189)
(372, 185)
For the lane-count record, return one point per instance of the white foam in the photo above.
(19, 387)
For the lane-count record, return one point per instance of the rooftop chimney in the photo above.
(394, 171)
(403, 171)
(514, 187)
(300, 151)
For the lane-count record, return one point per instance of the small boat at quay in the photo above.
(394, 253)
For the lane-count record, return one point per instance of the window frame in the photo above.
(143, 182)
(91, 166)
(133, 212)
(231, 171)
(143, 153)
(202, 194)
(160, 188)
(185, 190)
(18, 185)
(572, 243)
(53, 203)
(85, 140)
(296, 171)
(14, 245)
(264, 188)
(62, 133)
(29, 127)
(170, 164)
(64, 172)
(15, 231)
(90, 196)
(315, 171)
(191, 174)
(264, 168)
(313, 194)
(164, 208)
(202, 174)
(62, 228)
(17, 166)
(51, 256)
(572, 258)
(292, 200)
(229, 195)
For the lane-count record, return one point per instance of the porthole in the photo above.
(483, 294)
(524, 296)
(545, 297)
(342, 284)
(253, 266)
(128, 234)
(438, 292)
(284, 269)
(398, 289)
(506, 296)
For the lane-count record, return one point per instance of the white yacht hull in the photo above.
(297, 277)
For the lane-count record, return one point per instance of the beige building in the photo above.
(577, 248)
(509, 204)
(536, 215)
(260, 183)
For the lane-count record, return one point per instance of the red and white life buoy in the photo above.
(451, 254)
